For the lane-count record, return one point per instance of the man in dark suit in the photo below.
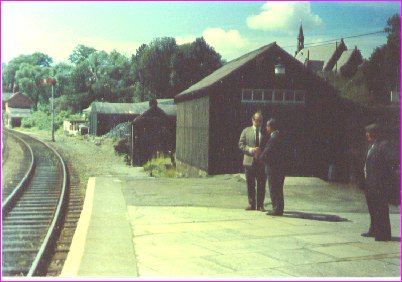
(273, 157)
(251, 140)
(377, 173)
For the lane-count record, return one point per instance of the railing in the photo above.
(273, 96)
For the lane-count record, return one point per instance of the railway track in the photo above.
(11, 181)
(33, 212)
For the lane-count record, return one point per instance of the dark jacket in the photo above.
(379, 167)
(273, 152)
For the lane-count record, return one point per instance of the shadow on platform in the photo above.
(314, 216)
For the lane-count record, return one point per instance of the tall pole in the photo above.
(52, 112)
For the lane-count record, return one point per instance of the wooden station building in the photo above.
(212, 113)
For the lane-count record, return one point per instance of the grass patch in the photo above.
(160, 166)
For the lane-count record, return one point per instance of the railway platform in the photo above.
(146, 228)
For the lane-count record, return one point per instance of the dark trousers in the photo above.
(377, 204)
(276, 178)
(255, 173)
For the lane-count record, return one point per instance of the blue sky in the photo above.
(232, 28)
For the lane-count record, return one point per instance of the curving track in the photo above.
(20, 175)
(32, 215)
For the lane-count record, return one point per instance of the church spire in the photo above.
(300, 39)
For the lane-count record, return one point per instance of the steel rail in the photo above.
(41, 256)
(6, 206)
(49, 238)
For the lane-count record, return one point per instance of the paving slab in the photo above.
(198, 229)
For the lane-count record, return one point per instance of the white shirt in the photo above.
(365, 163)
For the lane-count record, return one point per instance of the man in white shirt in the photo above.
(251, 143)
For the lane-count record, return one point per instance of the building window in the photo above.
(257, 95)
(268, 94)
(273, 96)
(247, 95)
(278, 96)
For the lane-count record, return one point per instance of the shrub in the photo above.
(43, 120)
(38, 119)
(160, 166)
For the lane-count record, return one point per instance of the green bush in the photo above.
(43, 120)
(38, 119)
(160, 166)
(27, 122)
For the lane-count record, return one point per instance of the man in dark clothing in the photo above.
(251, 140)
(377, 173)
(273, 157)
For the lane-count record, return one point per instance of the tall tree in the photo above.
(80, 54)
(382, 70)
(10, 69)
(28, 78)
(63, 72)
(162, 69)
(193, 62)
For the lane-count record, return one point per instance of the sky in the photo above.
(232, 28)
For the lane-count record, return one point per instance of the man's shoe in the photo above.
(383, 239)
(250, 208)
(274, 213)
(367, 234)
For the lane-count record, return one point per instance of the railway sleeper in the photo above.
(19, 236)
(31, 213)
(14, 271)
(27, 222)
(47, 192)
(22, 228)
(22, 245)
(34, 205)
(42, 216)
(35, 209)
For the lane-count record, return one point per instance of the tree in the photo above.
(28, 78)
(63, 72)
(10, 69)
(393, 29)
(80, 54)
(141, 93)
(382, 70)
(163, 69)
(193, 62)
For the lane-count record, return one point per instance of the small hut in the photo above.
(153, 131)
(17, 107)
(103, 116)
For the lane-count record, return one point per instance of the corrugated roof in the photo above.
(19, 113)
(115, 108)
(167, 105)
(225, 70)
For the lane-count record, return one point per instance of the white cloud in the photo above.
(230, 44)
(284, 16)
